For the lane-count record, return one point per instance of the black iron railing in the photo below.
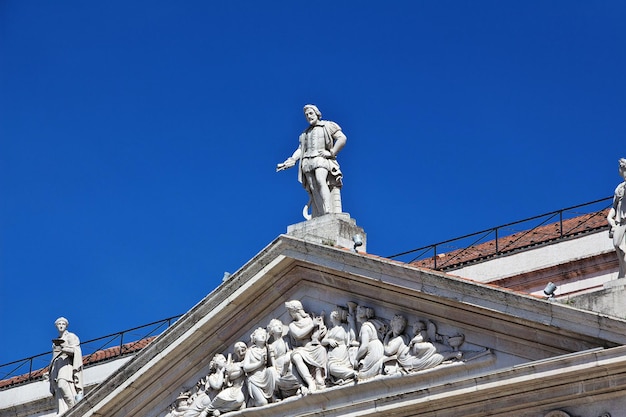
(510, 237)
(94, 350)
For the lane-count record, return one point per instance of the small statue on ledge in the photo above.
(318, 169)
(66, 368)
(617, 221)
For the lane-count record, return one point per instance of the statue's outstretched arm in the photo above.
(289, 162)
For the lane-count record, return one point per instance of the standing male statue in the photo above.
(617, 220)
(66, 368)
(318, 169)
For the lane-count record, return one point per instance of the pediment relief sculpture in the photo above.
(307, 355)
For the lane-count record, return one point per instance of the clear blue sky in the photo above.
(138, 139)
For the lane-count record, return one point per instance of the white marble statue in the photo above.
(617, 220)
(338, 341)
(261, 379)
(66, 368)
(319, 171)
(308, 355)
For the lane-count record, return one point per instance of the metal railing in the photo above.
(507, 238)
(115, 345)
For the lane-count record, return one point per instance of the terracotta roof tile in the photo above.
(540, 235)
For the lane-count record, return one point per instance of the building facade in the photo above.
(505, 352)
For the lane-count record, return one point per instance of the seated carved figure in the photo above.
(338, 341)
(370, 354)
(308, 356)
(416, 354)
(232, 396)
(208, 387)
(287, 383)
(260, 378)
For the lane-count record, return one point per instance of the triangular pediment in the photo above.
(502, 333)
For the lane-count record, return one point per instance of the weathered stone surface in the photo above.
(332, 230)
(611, 300)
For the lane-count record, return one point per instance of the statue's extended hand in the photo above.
(289, 162)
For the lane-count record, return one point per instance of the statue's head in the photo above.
(259, 336)
(622, 166)
(61, 320)
(418, 327)
(398, 323)
(312, 113)
(275, 328)
(240, 350)
(183, 399)
(339, 316)
(293, 306)
(364, 313)
(218, 361)
(61, 323)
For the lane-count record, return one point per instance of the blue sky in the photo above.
(138, 139)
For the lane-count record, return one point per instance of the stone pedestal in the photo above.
(610, 300)
(331, 229)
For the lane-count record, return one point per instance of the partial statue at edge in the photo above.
(318, 169)
(617, 220)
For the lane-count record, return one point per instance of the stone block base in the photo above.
(611, 300)
(331, 229)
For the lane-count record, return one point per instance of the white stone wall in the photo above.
(539, 258)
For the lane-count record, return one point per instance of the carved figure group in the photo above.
(415, 354)
(617, 221)
(318, 169)
(305, 356)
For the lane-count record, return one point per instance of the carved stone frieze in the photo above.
(310, 354)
